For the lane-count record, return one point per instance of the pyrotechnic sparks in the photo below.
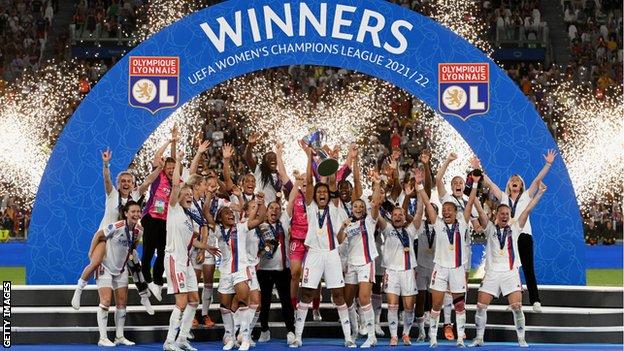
(159, 14)
(592, 143)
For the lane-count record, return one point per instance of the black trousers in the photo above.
(280, 279)
(154, 238)
(525, 249)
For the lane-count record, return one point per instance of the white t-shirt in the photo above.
(268, 189)
(326, 237)
(507, 258)
(233, 246)
(361, 237)
(180, 233)
(395, 256)
(520, 206)
(426, 244)
(252, 243)
(447, 255)
(111, 206)
(280, 260)
(118, 244)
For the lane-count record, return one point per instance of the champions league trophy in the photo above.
(268, 244)
(327, 165)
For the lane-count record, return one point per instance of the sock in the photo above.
(81, 284)
(376, 302)
(434, 319)
(256, 316)
(368, 318)
(301, 314)
(228, 322)
(393, 319)
(237, 321)
(293, 302)
(102, 320)
(316, 303)
(353, 318)
(420, 323)
(481, 319)
(408, 319)
(245, 315)
(120, 321)
(518, 320)
(343, 315)
(174, 324)
(187, 321)
(206, 299)
(460, 319)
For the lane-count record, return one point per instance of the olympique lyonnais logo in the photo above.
(154, 82)
(464, 89)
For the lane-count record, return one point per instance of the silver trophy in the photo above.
(327, 165)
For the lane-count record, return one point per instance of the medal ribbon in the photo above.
(404, 238)
(130, 238)
(364, 232)
(430, 232)
(512, 206)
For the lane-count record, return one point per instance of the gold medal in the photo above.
(501, 252)
(406, 249)
(279, 194)
(430, 250)
(319, 232)
(130, 258)
(451, 247)
(512, 221)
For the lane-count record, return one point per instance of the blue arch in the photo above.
(509, 138)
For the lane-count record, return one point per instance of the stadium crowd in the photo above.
(594, 28)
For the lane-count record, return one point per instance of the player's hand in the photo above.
(253, 138)
(181, 155)
(418, 175)
(425, 156)
(475, 163)
(279, 149)
(201, 256)
(203, 147)
(451, 157)
(175, 135)
(550, 156)
(106, 156)
(236, 191)
(228, 151)
(214, 251)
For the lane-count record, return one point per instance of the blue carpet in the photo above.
(331, 344)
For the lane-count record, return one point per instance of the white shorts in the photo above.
(496, 282)
(423, 277)
(360, 274)
(452, 280)
(208, 260)
(181, 278)
(228, 281)
(468, 262)
(401, 283)
(104, 278)
(322, 264)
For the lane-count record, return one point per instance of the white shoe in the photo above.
(316, 315)
(522, 342)
(169, 346)
(185, 345)
(460, 343)
(75, 302)
(252, 343)
(433, 343)
(537, 307)
(421, 337)
(379, 331)
(190, 336)
(476, 342)
(370, 341)
(350, 344)
(290, 338)
(426, 316)
(296, 343)
(106, 343)
(266, 336)
(156, 290)
(124, 341)
(148, 306)
(245, 345)
(229, 344)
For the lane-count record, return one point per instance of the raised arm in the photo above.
(203, 147)
(475, 163)
(293, 194)
(175, 182)
(341, 233)
(256, 215)
(357, 173)
(422, 195)
(175, 136)
(425, 157)
(483, 217)
(420, 210)
(108, 183)
(228, 152)
(248, 156)
(377, 199)
(549, 158)
(524, 216)
(151, 177)
(160, 152)
(471, 198)
(333, 188)
(441, 171)
(281, 169)
(309, 195)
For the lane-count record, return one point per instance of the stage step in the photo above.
(43, 314)
(551, 295)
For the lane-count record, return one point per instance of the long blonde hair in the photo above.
(508, 186)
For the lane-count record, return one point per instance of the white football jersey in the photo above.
(361, 237)
(280, 260)
(505, 258)
(396, 255)
(111, 206)
(180, 234)
(119, 239)
(326, 237)
(517, 208)
(426, 244)
(451, 250)
(232, 243)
